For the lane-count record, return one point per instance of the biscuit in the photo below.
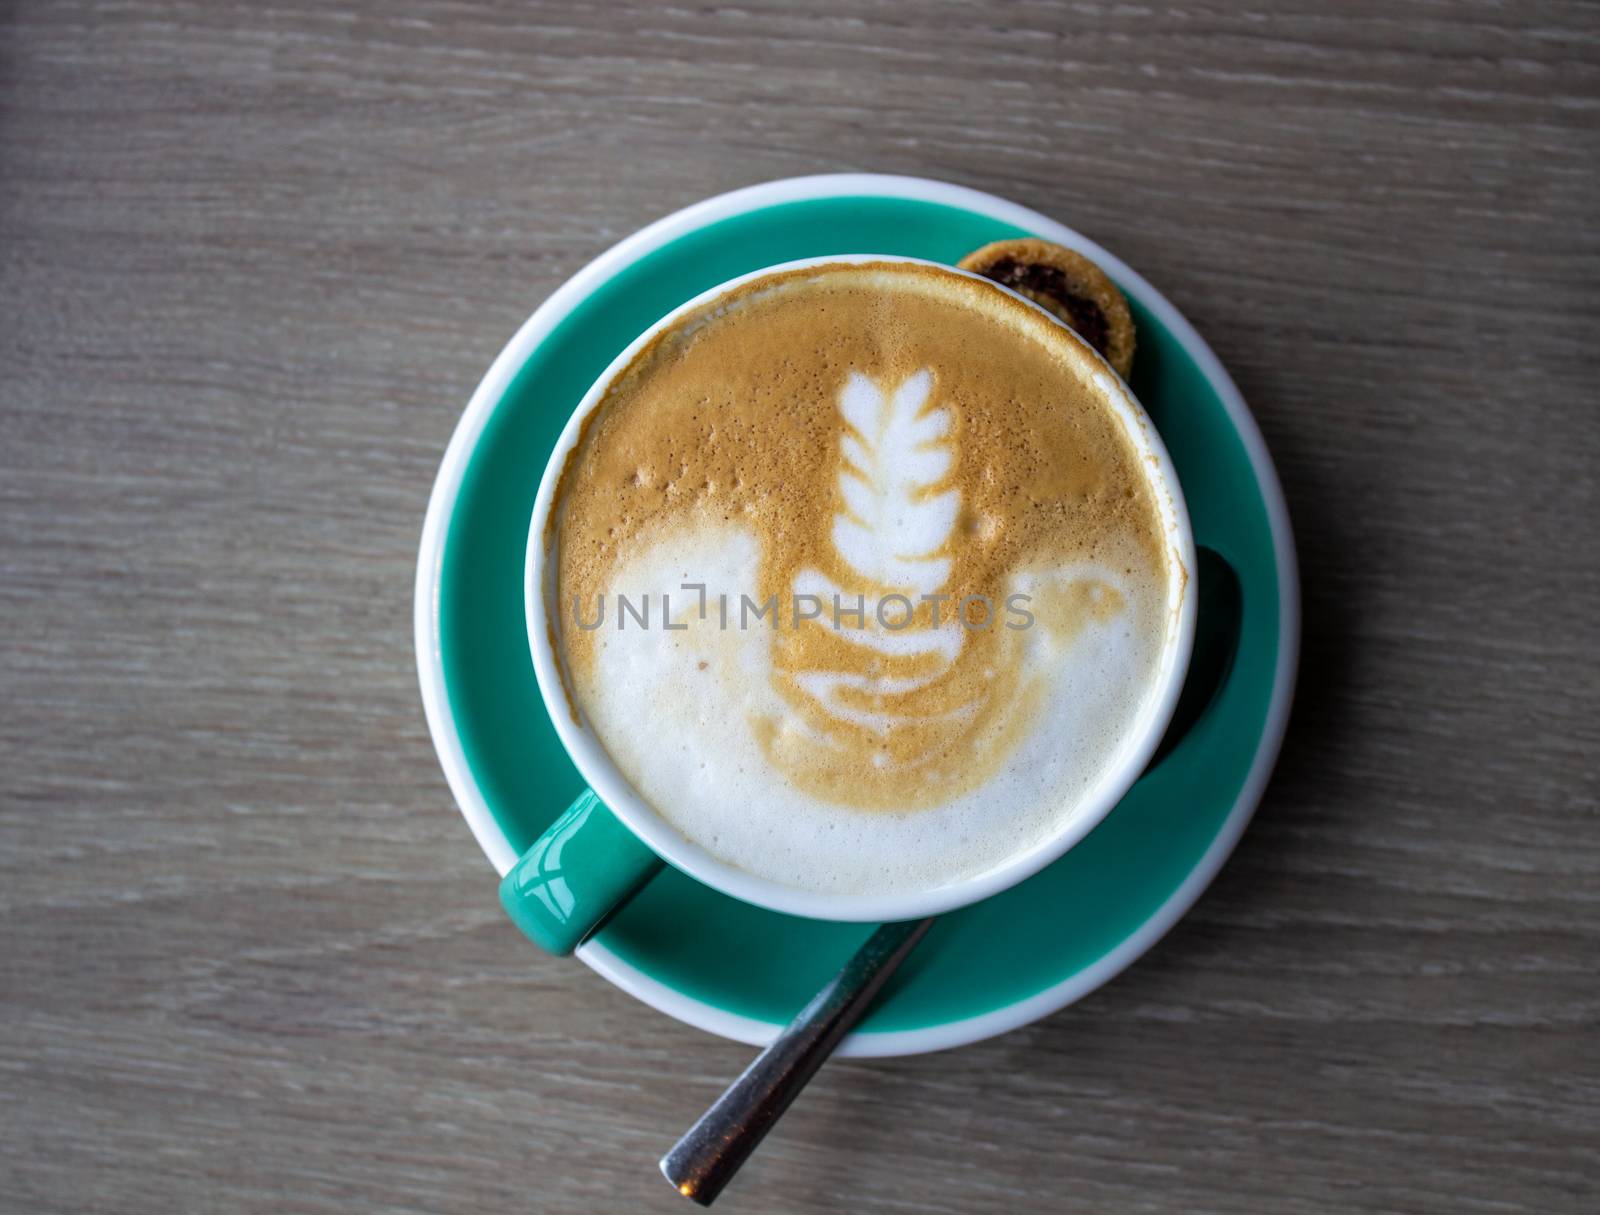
(1069, 286)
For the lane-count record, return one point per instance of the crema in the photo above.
(860, 577)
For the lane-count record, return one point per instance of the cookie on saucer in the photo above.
(1069, 286)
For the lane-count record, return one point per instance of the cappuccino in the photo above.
(860, 577)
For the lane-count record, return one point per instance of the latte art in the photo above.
(895, 529)
(909, 575)
(893, 537)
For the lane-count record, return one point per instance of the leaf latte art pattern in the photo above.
(892, 539)
(894, 530)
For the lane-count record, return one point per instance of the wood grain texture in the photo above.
(254, 257)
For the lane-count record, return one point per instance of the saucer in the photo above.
(739, 970)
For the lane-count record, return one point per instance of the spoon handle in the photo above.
(708, 1156)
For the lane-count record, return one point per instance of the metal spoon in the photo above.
(708, 1156)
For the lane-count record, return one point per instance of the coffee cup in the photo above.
(614, 838)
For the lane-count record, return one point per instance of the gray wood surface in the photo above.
(254, 257)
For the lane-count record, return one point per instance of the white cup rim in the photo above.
(600, 771)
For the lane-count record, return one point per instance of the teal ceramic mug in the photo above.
(610, 842)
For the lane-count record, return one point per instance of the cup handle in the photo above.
(583, 868)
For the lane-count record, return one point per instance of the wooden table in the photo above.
(254, 257)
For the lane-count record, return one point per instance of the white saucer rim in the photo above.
(447, 485)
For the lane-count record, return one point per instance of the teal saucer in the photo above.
(736, 969)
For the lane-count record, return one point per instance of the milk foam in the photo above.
(884, 447)
(702, 691)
